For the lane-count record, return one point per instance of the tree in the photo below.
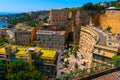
(2, 70)
(66, 63)
(33, 24)
(88, 6)
(109, 28)
(2, 65)
(116, 60)
(76, 66)
(38, 38)
(62, 28)
(45, 19)
(75, 54)
(22, 70)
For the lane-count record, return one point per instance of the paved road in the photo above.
(102, 36)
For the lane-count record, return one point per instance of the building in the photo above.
(113, 40)
(25, 34)
(97, 45)
(58, 17)
(103, 54)
(51, 39)
(45, 59)
(105, 4)
(48, 62)
(88, 38)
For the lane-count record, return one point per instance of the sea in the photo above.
(2, 24)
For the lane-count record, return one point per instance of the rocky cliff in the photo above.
(111, 18)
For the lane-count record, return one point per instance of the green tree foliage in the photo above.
(89, 6)
(74, 9)
(45, 19)
(76, 66)
(116, 59)
(66, 63)
(109, 28)
(3, 69)
(22, 70)
(91, 15)
(2, 65)
(62, 28)
(6, 40)
(33, 24)
(15, 21)
(117, 5)
(75, 48)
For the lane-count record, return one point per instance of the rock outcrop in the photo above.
(111, 18)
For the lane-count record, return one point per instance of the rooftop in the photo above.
(48, 54)
(106, 48)
(2, 50)
(23, 51)
(24, 28)
(50, 32)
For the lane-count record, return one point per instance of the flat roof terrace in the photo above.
(48, 54)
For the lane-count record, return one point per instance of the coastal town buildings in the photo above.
(58, 17)
(25, 34)
(98, 45)
(113, 40)
(51, 39)
(47, 63)
(44, 59)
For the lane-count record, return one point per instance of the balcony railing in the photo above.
(92, 72)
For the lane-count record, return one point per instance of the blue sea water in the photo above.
(5, 13)
(3, 24)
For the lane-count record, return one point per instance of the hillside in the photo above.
(111, 18)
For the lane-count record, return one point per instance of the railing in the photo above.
(91, 73)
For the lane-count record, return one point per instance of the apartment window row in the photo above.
(23, 33)
(59, 20)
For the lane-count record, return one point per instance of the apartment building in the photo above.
(113, 40)
(45, 59)
(58, 17)
(51, 39)
(47, 63)
(103, 54)
(88, 38)
(97, 45)
(25, 34)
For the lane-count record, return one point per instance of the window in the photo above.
(98, 58)
(99, 50)
(110, 43)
